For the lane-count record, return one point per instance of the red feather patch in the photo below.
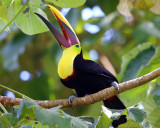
(111, 98)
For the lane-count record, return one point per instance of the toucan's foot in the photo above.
(70, 99)
(115, 84)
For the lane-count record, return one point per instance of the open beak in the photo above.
(69, 37)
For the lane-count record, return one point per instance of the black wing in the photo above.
(91, 67)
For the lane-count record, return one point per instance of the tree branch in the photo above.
(90, 99)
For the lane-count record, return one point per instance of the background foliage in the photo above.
(128, 35)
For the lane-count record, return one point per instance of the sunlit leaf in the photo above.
(124, 7)
(156, 7)
(11, 14)
(107, 116)
(3, 13)
(143, 4)
(129, 124)
(6, 2)
(27, 21)
(103, 120)
(68, 3)
(39, 125)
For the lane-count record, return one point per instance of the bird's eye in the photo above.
(77, 46)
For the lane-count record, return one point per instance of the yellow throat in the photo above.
(65, 66)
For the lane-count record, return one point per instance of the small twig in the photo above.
(14, 91)
(3, 108)
(90, 99)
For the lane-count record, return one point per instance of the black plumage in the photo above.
(88, 78)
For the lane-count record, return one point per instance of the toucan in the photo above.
(85, 76)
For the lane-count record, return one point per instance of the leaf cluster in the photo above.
(29, 114)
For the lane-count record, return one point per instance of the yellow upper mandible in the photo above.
(58, 14)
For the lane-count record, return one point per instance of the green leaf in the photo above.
(143, 4)
(52, 118)
(3, 13)
(139, 58)
(135, 64)
(27, 21)
(129, 124)
(68, 3)
(157, 100)
(153, 64)
(35, 4)
(26, 109)
(30, 23)
(6, 2)
(11, 118)
(13, 49)
(39, 125)
(87, 119)
(136, 114)
(2, 24)
(150, 28)
(4, 123)
(153, 111)
(132, 54)
(104, 120)
(156, 91)
(106, 5)
(77, 123)
(134, 96)
(11, 14)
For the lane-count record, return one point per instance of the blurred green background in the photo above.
(28, 63)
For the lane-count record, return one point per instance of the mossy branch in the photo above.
(90, 99)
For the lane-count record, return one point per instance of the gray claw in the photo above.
(70, 99)
(115, 84)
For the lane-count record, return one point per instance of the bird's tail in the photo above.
(115, 103)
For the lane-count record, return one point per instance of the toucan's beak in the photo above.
(69, 37)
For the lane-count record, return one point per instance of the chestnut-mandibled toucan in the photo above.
(85, 76)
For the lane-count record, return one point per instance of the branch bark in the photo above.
(90, 99)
